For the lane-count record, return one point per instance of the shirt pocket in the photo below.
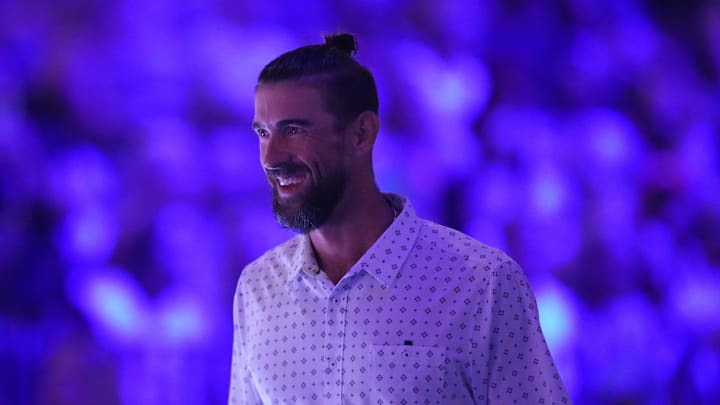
(407, 371)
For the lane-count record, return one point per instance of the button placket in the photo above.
(333, 347)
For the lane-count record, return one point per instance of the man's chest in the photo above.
(361, 339)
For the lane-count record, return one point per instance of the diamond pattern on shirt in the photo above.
(427, 315)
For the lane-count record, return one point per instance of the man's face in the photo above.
(301, 152)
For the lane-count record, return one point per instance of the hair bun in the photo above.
(343, 42)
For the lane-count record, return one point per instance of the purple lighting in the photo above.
(88, 236)
(557, 308)
(581, 137)
(113, 303)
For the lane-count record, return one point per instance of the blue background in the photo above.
(580, 136)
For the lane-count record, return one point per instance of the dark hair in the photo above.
(348, 86)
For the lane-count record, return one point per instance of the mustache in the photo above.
(285, 169)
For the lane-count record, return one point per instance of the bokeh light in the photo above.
(579, 136)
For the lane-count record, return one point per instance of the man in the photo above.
(369, 303)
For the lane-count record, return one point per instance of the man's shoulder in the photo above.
(276, 262)
(451, 242)
(446, 254)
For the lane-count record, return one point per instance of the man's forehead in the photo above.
(287, 91)
(278, 101)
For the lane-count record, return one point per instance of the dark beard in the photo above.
(316, 206)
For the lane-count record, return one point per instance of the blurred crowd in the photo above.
(579, 136)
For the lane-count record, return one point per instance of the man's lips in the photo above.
(287, 182)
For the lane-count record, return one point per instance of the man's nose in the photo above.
(273, 150)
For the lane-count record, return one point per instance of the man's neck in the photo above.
(353, 229)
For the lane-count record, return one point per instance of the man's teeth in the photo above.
(287, 181)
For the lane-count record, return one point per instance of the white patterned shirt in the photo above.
(427, 315)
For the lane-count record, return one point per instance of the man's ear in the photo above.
(363, 132)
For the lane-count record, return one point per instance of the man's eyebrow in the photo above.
(286, 122)
(294, 121)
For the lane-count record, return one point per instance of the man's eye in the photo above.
(262, 133)
(293, 131)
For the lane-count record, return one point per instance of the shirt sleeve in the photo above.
(510, 353)
(242, 389)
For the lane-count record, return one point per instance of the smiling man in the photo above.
(369, 303)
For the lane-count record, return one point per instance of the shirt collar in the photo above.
(384, 259)
(303, 259)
